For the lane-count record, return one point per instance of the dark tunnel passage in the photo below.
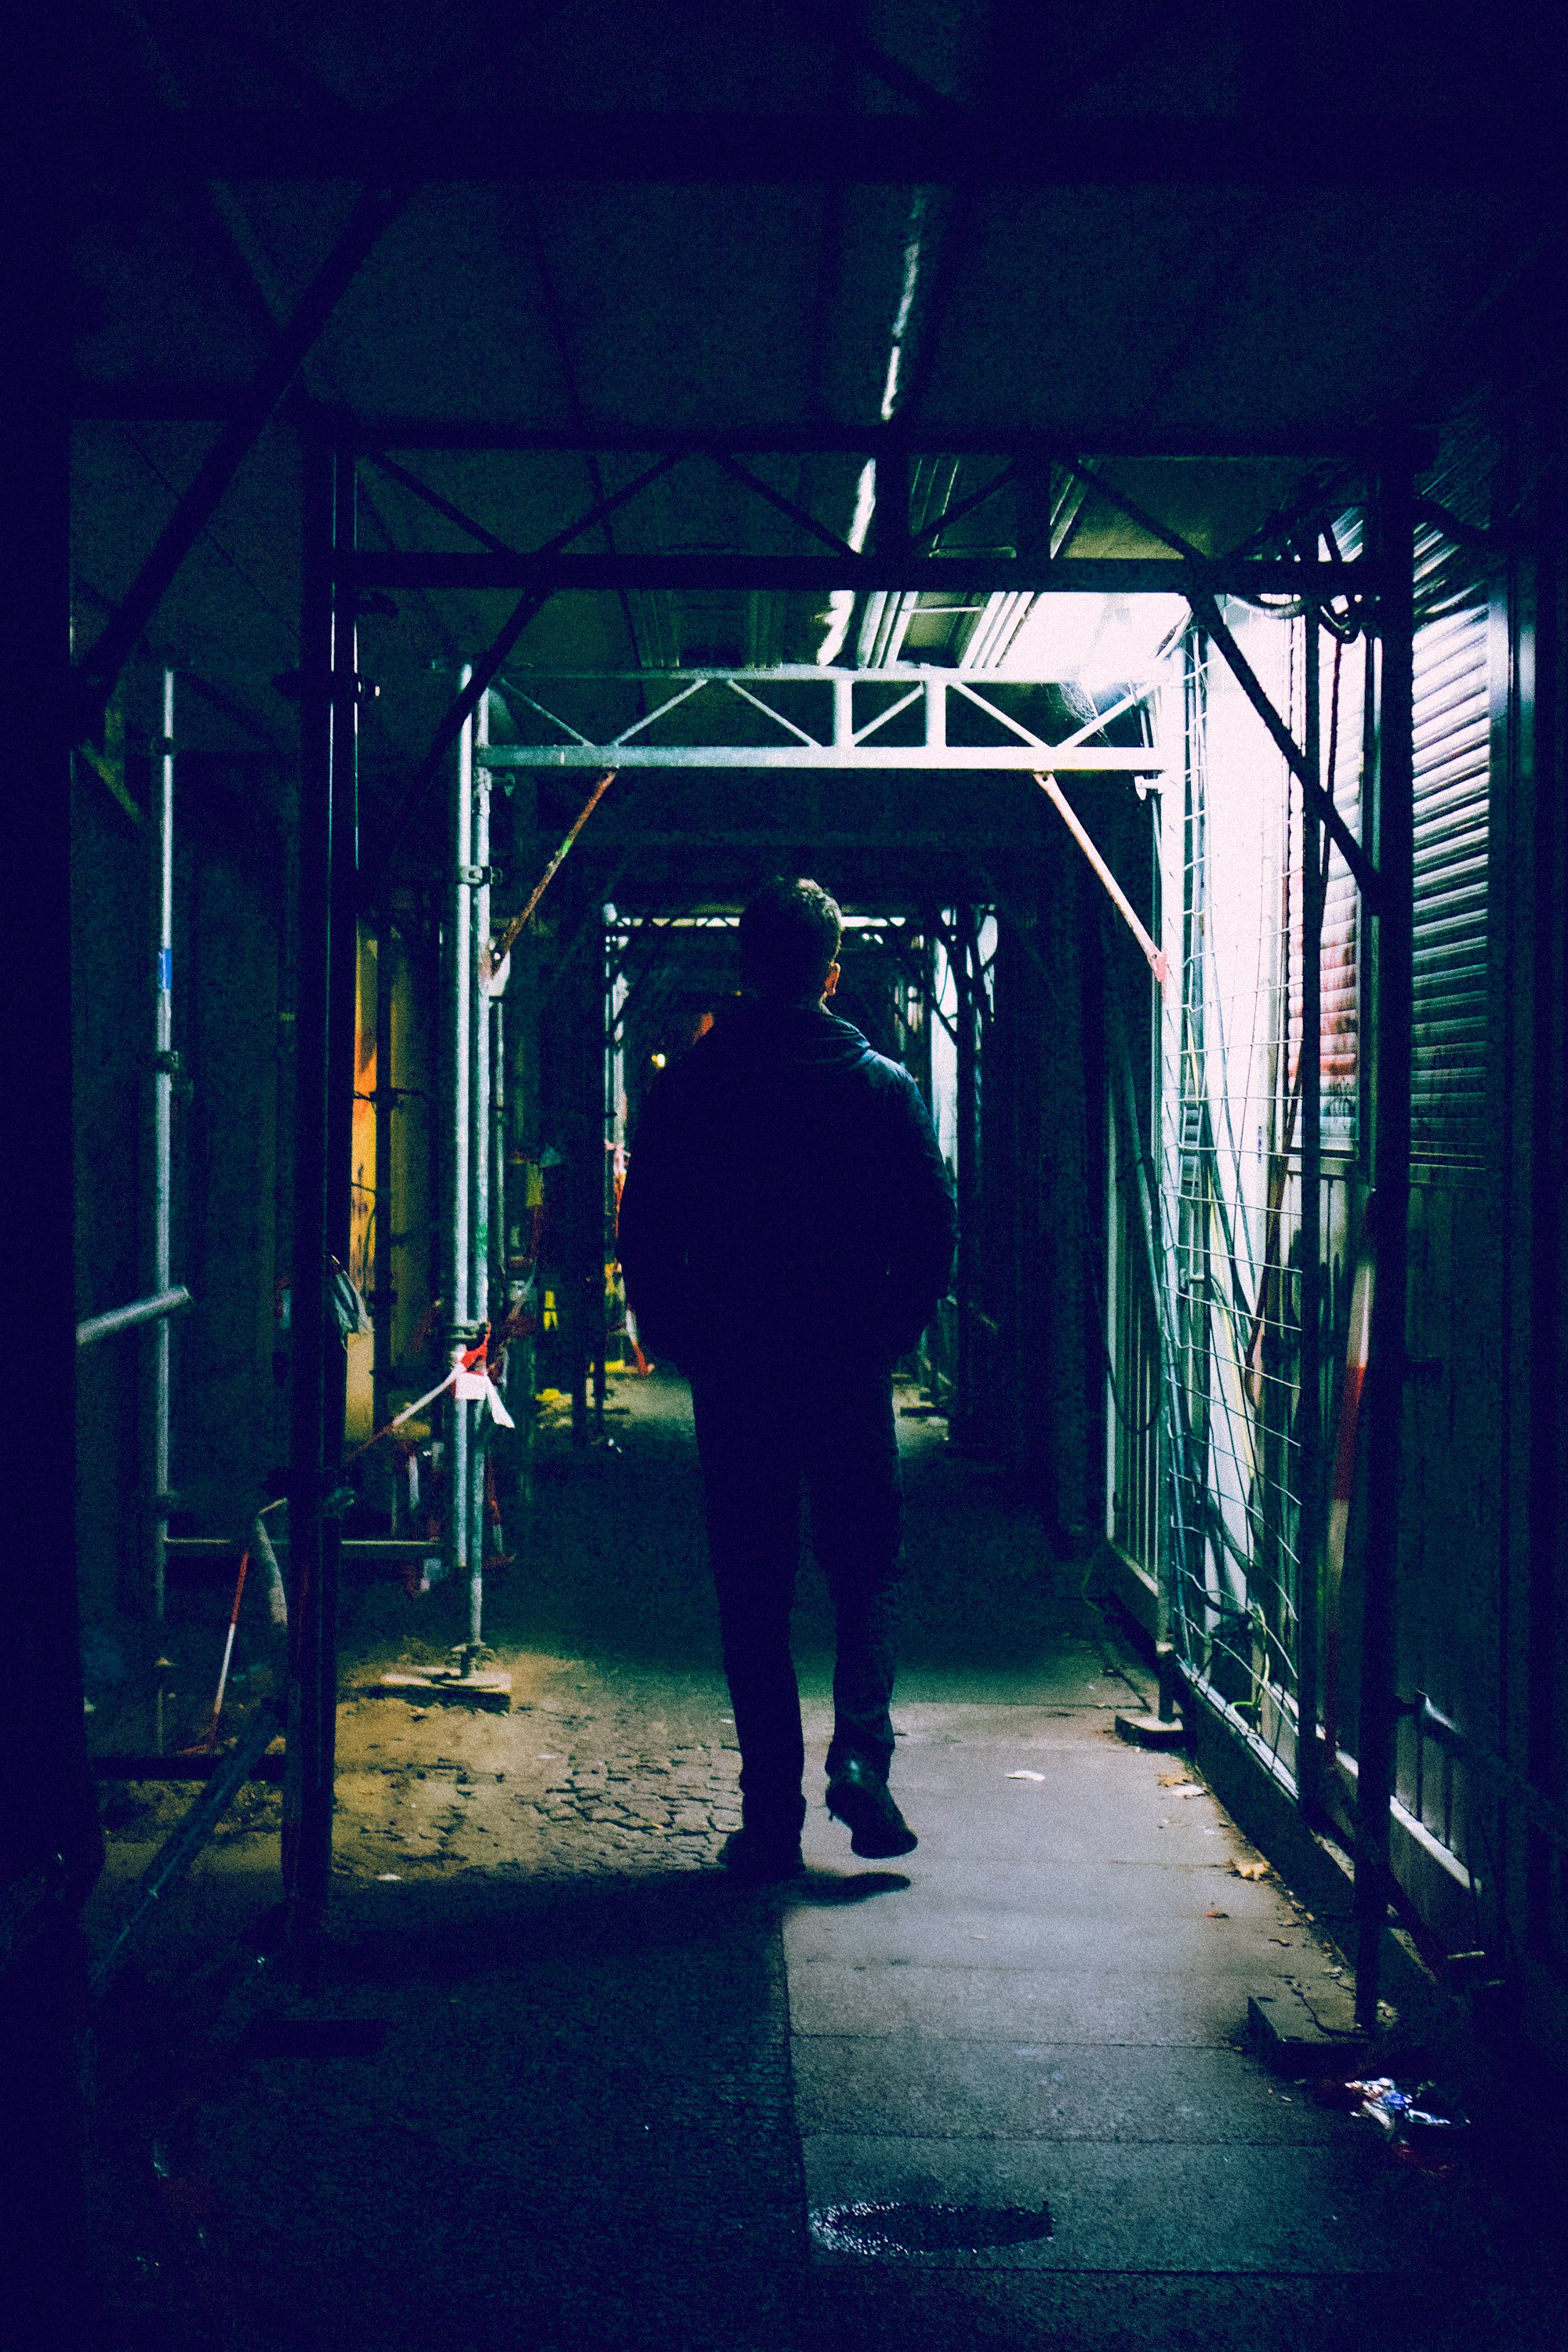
(546, 2045)
(783, 788)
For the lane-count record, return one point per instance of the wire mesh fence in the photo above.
(1239, 1507)
(1230, 1198)
(1205, 1426)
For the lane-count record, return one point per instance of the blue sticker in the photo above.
(165, 968)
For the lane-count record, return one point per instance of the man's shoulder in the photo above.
(884, 1071)
(766, 1039)
(884, 1076)
(748, 1045)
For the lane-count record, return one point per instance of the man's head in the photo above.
(789, 942)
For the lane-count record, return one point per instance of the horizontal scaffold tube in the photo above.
(175, 1857)
(126, 1318)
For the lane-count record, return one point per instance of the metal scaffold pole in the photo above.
(459, 1104)
(1309, 1404)
(966, 985)
(499, 1204)
(324, 1108)
(1384, 1413)
(386, 1111)
(163, 1067)
(583, 1019)
(480, 1164)
(605, 1244)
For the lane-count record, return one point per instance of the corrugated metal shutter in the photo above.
(1453, 790)
(1453, 726)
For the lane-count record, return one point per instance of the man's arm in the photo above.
(653, 1228)
(925, 1221)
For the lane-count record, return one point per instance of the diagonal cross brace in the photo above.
(488, 667)
(933, 531)
(1206, 613)
(1205, 610)
(519, 923)
(99, 670)
(786, 506)
(441, 506)
(1154, 956)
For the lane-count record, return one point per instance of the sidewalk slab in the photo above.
(922, 2089)
(1162, 2208)
(1014, 2004)
(1046, 2005)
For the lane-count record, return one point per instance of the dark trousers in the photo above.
(758, 1444)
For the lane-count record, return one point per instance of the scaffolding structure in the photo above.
(1374, 582)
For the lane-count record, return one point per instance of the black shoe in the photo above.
(858, 1797)
(762, 1857)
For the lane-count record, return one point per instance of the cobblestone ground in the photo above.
(548, 1791)
(551, 1788)
(622, 1760)
(618, 1755)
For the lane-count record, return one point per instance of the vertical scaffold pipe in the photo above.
(324, 1108)
(386, 1109)
(342, 1038)
(604, 1246)
(584, 1020)
(499, 1200)
(157, 1343)
(1384, 1395)
(965, 978)
(480, 1163)
(460, 972)
(1311, 1501)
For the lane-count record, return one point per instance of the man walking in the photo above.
(786, 1229)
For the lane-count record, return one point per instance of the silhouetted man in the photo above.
(787, 1230)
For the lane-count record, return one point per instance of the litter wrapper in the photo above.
(1422, 2122)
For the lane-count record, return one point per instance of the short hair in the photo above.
(789, 935)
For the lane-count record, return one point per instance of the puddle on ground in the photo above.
(909, 2229)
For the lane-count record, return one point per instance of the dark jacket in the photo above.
(786, 1200)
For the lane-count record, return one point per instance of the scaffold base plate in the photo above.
(442, 1687)
(1150, 1731)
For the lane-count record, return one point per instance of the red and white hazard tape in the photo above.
(470, 1384)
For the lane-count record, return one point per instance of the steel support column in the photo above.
(966, 985)
(342, 996)
(381, 1310)
(1170, 1427)
(1384, 1408)
(50, 1842)
(324, 1107)
(1310, 1402)
(459, 968)
(158, 1264)
(581, 1113)
(480, 1037)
